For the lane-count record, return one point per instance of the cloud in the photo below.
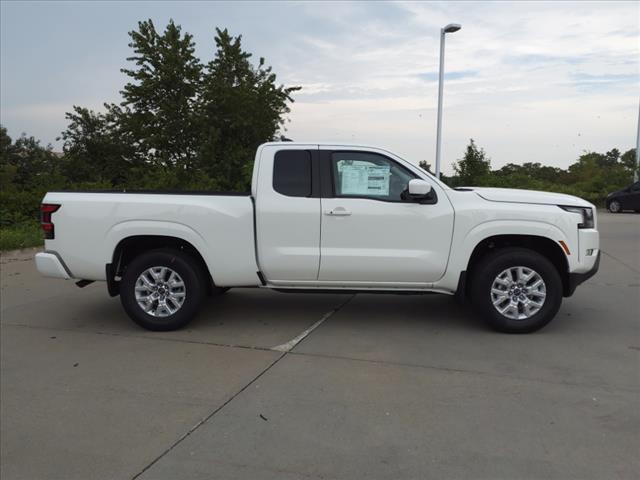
(433, 76)
(522, 78)
(585, 78)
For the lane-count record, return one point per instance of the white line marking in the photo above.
(288, 346)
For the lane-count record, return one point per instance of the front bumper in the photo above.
(49, 264)
(576, 279)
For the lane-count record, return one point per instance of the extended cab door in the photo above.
(287, 196)
(371, 234)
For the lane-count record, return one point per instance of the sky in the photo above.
(528, 81)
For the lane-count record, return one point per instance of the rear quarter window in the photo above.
(292, 173)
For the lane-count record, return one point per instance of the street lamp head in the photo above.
(452, 27)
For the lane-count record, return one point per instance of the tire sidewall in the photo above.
(488, 270)
(184, 266)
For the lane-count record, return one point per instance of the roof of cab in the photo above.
(322, 144)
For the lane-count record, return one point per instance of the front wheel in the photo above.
(516, 290)
(162, 289)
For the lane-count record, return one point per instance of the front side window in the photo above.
(292, 173)
(368, 175)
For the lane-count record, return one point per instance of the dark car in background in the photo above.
(625, 199)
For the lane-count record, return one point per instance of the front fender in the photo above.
(510, 227)
(464, 244)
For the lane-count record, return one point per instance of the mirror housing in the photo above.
(418, 188)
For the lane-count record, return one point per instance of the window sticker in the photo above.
(367, 179)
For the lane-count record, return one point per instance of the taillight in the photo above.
(46, 209)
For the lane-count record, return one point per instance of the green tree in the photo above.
(609, 159)
(27, 171)
(27, 160)
(158, 111)
(7, 168)
(242, 106)
(474, 168)
(628, 161)
(595, 175)
(530, 175)
(180, 124)
(423, 164)
(95, 150)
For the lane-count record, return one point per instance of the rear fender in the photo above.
(134, 228)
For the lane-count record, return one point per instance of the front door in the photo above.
(371, 235)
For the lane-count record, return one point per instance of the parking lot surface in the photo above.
(264, 385)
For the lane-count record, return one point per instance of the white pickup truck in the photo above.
(326, 218)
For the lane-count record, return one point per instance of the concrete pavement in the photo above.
(385, 387)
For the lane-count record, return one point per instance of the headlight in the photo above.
(586, 212)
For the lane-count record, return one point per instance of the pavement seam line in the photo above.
(291, 344)
(288, 346)
(230, 399)
(208, 417)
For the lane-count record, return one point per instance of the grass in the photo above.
(22, 235)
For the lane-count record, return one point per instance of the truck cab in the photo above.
(334, 216)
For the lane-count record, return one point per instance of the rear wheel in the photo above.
(516, 290)
(162, 289)
(614, 206)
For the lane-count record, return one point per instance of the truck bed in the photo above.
(89, 225)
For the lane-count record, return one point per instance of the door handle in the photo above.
(338, 212)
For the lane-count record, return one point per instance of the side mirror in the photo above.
(419, 188)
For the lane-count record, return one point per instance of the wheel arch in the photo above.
(129, 247)
(545, 246)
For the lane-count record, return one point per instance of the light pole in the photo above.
(452, 27)
(635, 172)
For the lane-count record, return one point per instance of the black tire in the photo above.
(614, 206)
(195, 288)
(490, 267)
